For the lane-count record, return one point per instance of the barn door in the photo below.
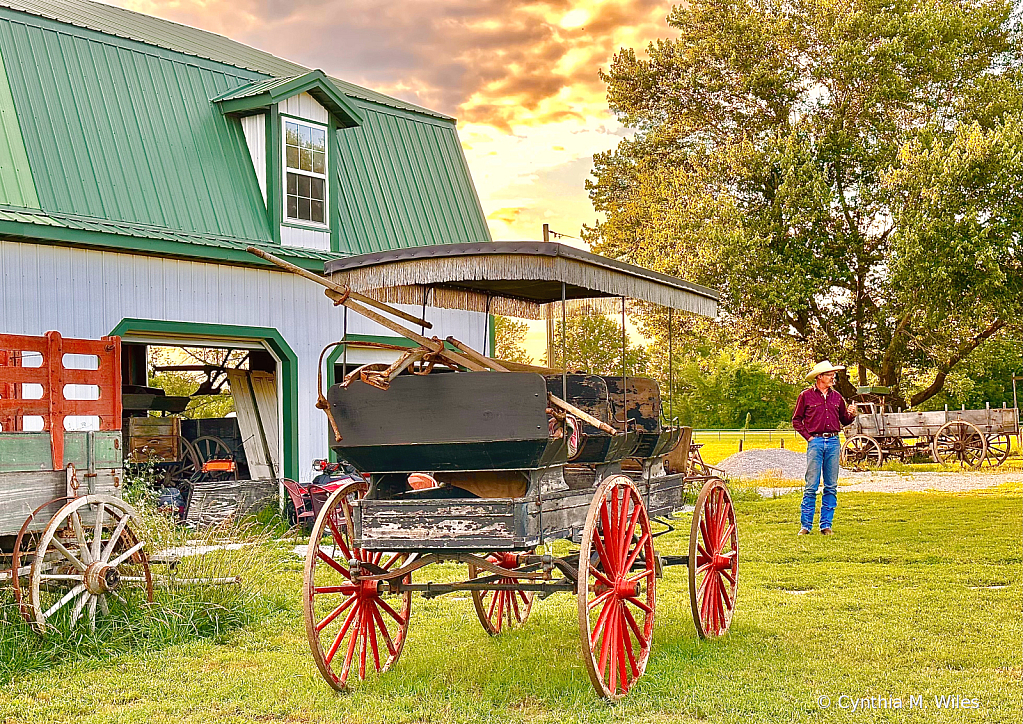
(255, 402)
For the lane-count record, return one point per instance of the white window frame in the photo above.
(285, 170)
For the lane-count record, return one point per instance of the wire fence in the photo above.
(769, 435)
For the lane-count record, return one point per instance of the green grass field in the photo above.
(916, 595)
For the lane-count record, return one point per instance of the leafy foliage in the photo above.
(593, 344)
(509, 338)
(729, 389)
(848, 174)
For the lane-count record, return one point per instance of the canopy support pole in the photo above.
(564, 347)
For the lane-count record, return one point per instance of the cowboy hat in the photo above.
(822, 367)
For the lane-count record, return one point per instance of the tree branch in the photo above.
(939, 380)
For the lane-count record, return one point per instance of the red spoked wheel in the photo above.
(501, 610)
(713, 560)
(616, 588)
(352, 627)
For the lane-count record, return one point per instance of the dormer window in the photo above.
(305, 177)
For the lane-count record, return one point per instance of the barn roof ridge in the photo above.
(189, 40)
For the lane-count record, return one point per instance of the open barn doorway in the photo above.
(210, 410)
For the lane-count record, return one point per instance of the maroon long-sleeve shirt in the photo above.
(814, 414)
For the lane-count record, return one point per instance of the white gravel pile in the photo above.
(773, 462)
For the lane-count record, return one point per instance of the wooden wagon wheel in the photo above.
(373, 619)
(89, 554)
(210, 447)
(959, 441)
(616, 588)
(713, 560)
(501, 610)
(861, 451)
(998, 447)
(186, 468)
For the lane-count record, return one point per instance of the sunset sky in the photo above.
(521, 77)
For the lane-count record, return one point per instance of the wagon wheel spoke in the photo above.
(354, 627)
(616, 599)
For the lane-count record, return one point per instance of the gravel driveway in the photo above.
(791, 465)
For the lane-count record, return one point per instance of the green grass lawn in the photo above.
(916, 595)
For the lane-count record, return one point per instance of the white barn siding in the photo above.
(304, 106)
(254, 128)
(305, 238)
(85, 293)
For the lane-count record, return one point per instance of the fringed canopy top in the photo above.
(512, 278)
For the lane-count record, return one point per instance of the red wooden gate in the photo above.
(52, 375)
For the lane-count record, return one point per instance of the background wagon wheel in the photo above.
(186, 468)
(713, 560)
(210, 447)
(348, 622)
(616, 588)
(959, 441)
(998, 447)
(860, 452)
(501, 610)
(88, 558)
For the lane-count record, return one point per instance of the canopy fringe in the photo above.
(403, 282)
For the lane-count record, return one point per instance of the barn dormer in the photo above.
(289, 126)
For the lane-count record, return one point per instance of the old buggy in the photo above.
(480, 461)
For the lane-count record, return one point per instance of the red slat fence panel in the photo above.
(52, 376)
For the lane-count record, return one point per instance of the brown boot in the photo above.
(825, 531)
(803, 531)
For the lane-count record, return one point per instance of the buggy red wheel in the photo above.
(713, 560)
(352, 627)
(616, 588)
(501, 610)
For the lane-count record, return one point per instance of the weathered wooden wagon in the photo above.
(68, 543)
(970, 438)
(490, 464)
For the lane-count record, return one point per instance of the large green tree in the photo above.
(849, 174)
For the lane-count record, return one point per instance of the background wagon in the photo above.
(490, 466)
(968, 437)
(68, 541)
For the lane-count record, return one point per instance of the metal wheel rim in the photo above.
(20, 596)
(960, 441)
(858, 451)
(364, 613)
(85, 558)
(505, 610)
(714, 533)
(605, 520)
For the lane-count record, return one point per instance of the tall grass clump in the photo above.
(207, 584)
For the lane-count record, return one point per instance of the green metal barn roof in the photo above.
(112, 138)
(188, 40)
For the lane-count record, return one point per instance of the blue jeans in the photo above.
(821, 462)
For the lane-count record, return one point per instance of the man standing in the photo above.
(820, 414)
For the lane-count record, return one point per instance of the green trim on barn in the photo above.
(288, 377)
(261, 94)
(96, 234)
(16, 185)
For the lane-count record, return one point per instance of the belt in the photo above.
(825, 434)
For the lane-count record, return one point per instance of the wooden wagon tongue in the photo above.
(513, 278)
